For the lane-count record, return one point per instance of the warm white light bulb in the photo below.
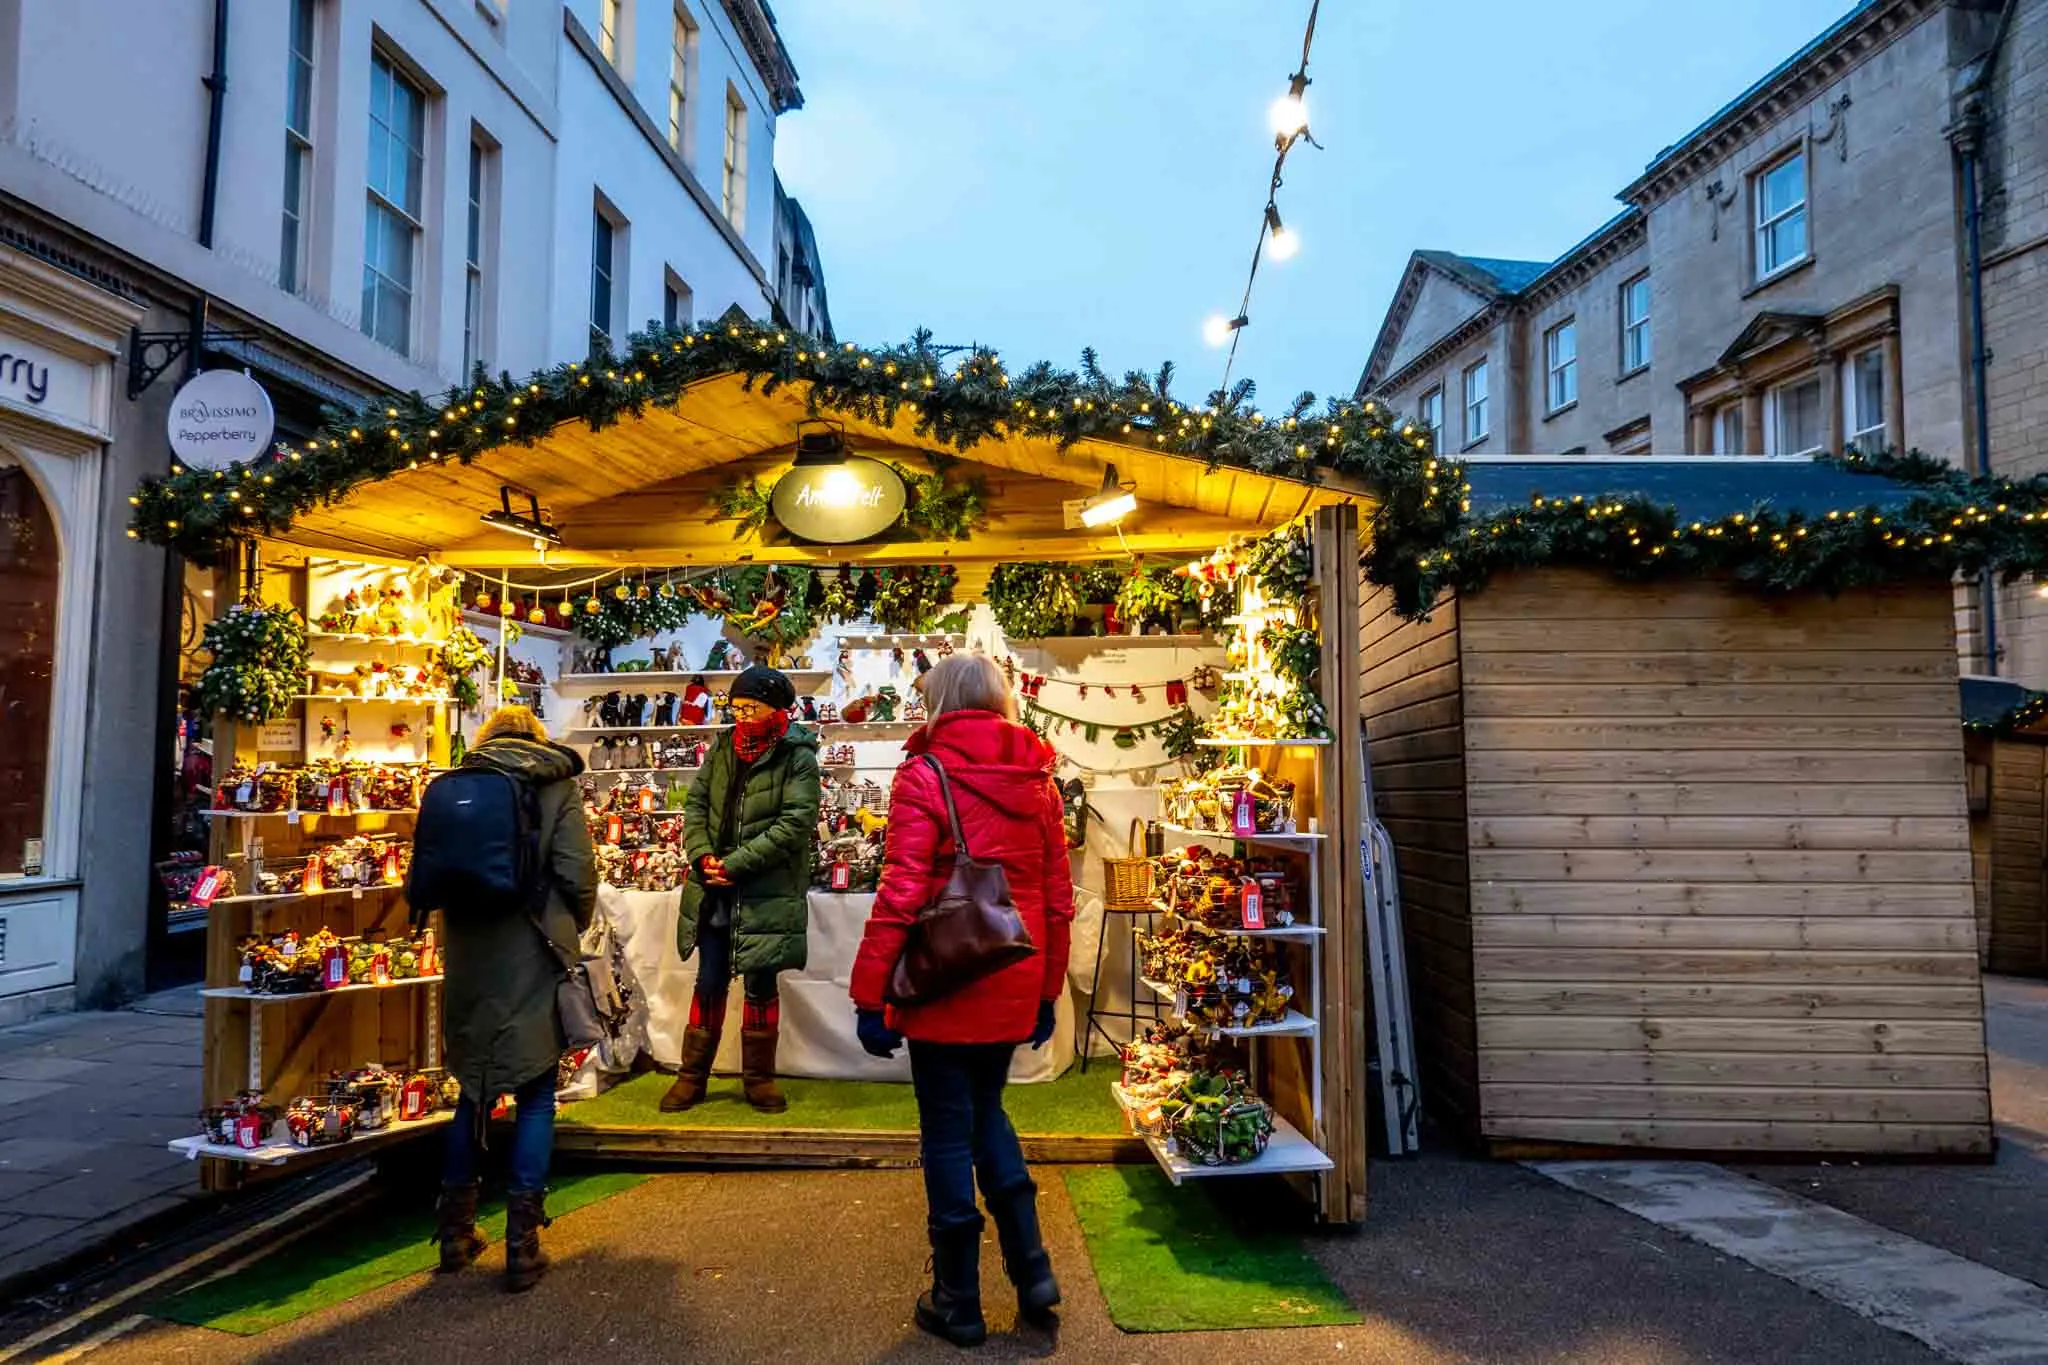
(1290, 115)
(1108, 511)
(1282, 244)
(1216, 331)
(840, 487)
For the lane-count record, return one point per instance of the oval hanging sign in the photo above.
(837, 504)
(220, 416)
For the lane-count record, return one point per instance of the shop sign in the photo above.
(220, 416)
(838, 504)
(36, 379)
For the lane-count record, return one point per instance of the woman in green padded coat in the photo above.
(748, 825)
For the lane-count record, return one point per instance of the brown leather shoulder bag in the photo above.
(970, 930)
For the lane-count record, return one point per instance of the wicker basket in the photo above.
(1127, 881)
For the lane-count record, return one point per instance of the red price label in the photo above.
(206, 888)
(1243, 818)
(646, 799)
(1253, 907)
(334, 967)
(614, 829)
(842, 875)
(248, 1131)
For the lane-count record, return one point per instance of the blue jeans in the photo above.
(963, 1133)
(533, 1137)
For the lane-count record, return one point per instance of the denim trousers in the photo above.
(533, 1137)
(714, 977)
(963, 1133)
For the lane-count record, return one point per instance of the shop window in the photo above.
(29, 579)
(1863, 400)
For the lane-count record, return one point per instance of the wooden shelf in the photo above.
(1119, 641)
(302, 814)
(360, 637)
(1294, 1025)
(647, 729)
(853, 730)
(276, 1153)
(289, 997)
(360, 701)
(1284, 931)
(899, 641)
(1276, 839)
(621, 772)
(798, 677)
(1261, 743)
(262, 897)
(492, 621)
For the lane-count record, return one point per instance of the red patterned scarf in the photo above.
(753, 738)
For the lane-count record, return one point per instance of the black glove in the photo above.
(877, 1039)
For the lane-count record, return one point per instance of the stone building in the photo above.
(343, 198)
(1793, 275)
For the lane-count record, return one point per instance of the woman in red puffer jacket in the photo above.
(960, 1046)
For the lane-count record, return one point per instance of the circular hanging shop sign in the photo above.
(218, 417)
(837, 504)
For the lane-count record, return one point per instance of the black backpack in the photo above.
(476, 844)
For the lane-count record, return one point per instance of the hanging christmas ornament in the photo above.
(622, 592)
(537, 613)
(814, 592)
(592, 606)
(1084, 691)
(1137, 692)
(1125, 738)
(483, 600)
(922, 660)
(644, 592)
(1091, 732)
(1176, 693)
(668, 589)
(1110, 692)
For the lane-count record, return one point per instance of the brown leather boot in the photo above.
(757, 1070)
(461, 1242)
(525, 1261)
(700, 1045)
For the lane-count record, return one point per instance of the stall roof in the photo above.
(638, 492)
(1702, 487)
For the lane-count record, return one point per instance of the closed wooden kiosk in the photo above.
(1683, 865)
(2007, 760)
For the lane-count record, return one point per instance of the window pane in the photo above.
(1567, 343)
(1799, 418)
(1787, 240)
(1783, 186)
(474, 239)
(29, 568)
(394, 316)
(1867, 391)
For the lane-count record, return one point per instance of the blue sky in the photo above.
(1042, 177)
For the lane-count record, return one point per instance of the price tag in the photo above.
(244, 792)
(248, 1131)
(333, 968)
(380, 968)
(291, 816)
(206, 888)
(1253, 908)
(614, 829)
(842, 875)
(1243, 817)
(1180, 1001)
(646, 799)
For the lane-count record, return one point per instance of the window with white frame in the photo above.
(1475, 403)
(31, 578)
(1635, 324)
(733, 178)
(298, 147)
(1561, 365)
(476, 240)
(675, 301)
(604, 246)
(1728, 430)
(682, 59)
(1863, 414)
(392, 227)
(611, 29)
(1794, 419)
(1780, 194)
(1430, 411)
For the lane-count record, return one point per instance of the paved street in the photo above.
(87, 1102)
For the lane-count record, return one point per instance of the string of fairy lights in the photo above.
(1290, 126)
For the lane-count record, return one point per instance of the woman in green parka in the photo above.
(748, 827)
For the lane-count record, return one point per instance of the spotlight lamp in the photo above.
(531, 526)
(1109, 504)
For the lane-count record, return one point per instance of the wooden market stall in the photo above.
(2006, 751)
(643, 493)
(1683, 865)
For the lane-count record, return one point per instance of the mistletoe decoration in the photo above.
(1032, 601)
(462, 658)
(260, 657)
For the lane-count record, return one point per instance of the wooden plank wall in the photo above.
(2018, 933)
(1720, 870)
(1409, 680)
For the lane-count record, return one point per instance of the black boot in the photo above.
(525, 1260)
(461, 1242)
(1015, 1211)
(951, 1308)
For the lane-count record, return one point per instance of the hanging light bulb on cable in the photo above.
(1281, 244)
(1218, 330)
(1290, 112)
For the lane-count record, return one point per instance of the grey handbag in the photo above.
(588, 1000)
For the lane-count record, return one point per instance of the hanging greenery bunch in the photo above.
(744, 501)
(462, 658)
(260, 657)
(940, 506)
(1284, 562)
(1295, 654)
(913, 599)
(1033, 600)
(770, 603)
(612, 616)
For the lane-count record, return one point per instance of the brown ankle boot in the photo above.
(461, 1242)
(700, 1045)
(525, 1261)
(757, 1070)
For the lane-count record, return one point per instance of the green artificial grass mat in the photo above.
(1177, 1259)
(1072, 1105)
(336, 1264)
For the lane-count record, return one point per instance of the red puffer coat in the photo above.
(1001, 775)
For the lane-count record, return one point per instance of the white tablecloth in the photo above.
(817, 1015)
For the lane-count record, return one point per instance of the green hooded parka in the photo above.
(502, 1025)
(770, 859)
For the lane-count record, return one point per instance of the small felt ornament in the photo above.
(808, 709)
(844, 670)
(1176, 693)
(922, 660)
(1125, 738)
(858, 711)
(886, 702)
(696, 704)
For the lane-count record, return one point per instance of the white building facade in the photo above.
(343, 197)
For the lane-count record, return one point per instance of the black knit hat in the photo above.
(763, 684)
